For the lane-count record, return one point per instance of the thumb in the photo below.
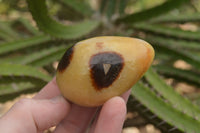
(34, 115)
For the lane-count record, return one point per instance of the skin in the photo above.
(48, 108)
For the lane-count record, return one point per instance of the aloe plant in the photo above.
(28, 52)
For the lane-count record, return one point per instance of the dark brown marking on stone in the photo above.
(99, 78)
(66, 59)
(99, 45)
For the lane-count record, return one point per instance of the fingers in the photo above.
(31, 115)
(48, 113)
(49, 91)
(111, 117)
(77, 120)
(125, 96)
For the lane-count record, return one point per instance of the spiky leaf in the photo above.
(53, 28)
(80, 6)
(17, 70)
(168, 31)
(187, 76)
(152, 12)
(23, 43)
(164, 110)
(173, 97)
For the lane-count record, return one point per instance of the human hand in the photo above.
(48, 108)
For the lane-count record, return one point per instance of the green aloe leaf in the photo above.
(180, 103)
(39, 55)
(23, 43)
(112, 7)
(152, 12)
(164, 110)
(122, 6)
(194, 17)
(11, 59)
(17, 70)
(175, 53)
(179, 74)
(110, 10)
(164, 126)
(168, 31)
(12, 90)
(27, 24)
(38, 58)
(14, 87)
(103, 5)
(187, 45)
(50, 26)
(80, 6)
(6, 32)
(51, 57)
(5, 36)
(46, 56)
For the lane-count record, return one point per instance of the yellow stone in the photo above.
(75, 74)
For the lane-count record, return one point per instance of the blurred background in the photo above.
(34, 34)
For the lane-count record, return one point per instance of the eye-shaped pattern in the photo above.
(105, 68)
(96, 69)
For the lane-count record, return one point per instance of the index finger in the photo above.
(49, 91)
